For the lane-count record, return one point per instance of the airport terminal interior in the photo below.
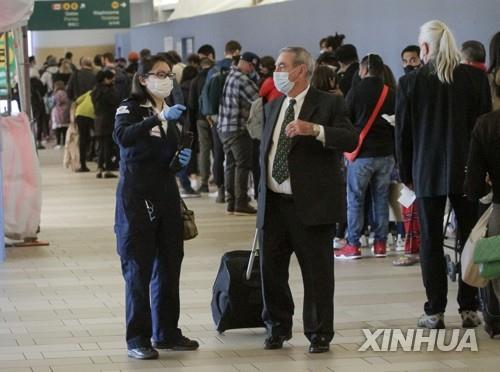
(92, 178)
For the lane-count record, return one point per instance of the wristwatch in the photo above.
(316, 130)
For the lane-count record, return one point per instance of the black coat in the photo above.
(484, 157)
(315, 175)
(434, 122)
(105, 103)
(80, 82)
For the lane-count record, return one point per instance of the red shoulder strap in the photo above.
(351, 156)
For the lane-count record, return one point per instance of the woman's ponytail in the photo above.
(443, 48)
(447, 57)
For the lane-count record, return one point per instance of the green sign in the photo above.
(81, 14)
(3, 63)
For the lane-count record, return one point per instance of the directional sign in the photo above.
(82, 14)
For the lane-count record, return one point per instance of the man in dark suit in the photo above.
(302, 196)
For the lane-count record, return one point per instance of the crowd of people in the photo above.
(325, 145)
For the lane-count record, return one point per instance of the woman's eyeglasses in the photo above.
(162, 75)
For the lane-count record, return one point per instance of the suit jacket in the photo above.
(434, 122)
(318, 185)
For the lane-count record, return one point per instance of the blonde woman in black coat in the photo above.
(436, 109)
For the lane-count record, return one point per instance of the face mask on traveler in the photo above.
(160, 87)
(282, 83)
(410, 68)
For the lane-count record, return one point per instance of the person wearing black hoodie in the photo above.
(374, 164)
(105, 103)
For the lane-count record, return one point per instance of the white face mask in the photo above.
(282, 83)
(159, 87)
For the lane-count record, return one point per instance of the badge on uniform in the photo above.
(122, 110)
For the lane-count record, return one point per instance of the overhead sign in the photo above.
(77, 15)
(3, 63)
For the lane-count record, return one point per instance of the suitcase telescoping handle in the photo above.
(253, 254)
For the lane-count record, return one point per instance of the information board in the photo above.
(77, 15)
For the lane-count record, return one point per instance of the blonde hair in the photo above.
(442, 48)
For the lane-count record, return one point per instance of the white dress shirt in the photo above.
(286, 187)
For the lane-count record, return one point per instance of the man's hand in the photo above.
(301, 128)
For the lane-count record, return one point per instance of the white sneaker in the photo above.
(435, 321)
(339, 243)
(470, 319)
(390, 240)
(400, 243)
(363, 240)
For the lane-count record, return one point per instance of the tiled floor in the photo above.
(61, 307)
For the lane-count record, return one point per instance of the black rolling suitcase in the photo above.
(491, 310)
(237, 294)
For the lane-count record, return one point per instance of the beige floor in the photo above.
(61, 307)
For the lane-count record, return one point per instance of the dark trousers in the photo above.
(206, 144)
(151, 254)
(39, 117)
(84, 126)
(61, 135)
(282, 235)
(431, 214)
(218, 153)
(238, 153)
(105, 152)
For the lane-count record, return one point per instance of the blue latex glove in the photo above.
(172, 113)
(185, 156)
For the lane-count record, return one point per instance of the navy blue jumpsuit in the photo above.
(148, 224)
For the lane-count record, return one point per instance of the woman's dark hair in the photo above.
(139, 91)
(374, 64)
(189, 73)
(174, 56)
(322, 77)
(495, 52)
(389, 78)
(269, 63)
(193, 59)
(104, 74)
(334, 41)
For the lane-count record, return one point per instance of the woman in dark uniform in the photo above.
(148, 224)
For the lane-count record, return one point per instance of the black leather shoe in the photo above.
(276, 342)
(319, 345)
(181, 344)
(143, 353)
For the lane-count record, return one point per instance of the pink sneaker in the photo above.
(349, 252)
(380, 249)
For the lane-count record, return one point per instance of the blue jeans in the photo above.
(362, 172)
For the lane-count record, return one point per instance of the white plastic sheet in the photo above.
(15, 13)
(22, 186)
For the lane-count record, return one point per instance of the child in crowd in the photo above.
(60, 112)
